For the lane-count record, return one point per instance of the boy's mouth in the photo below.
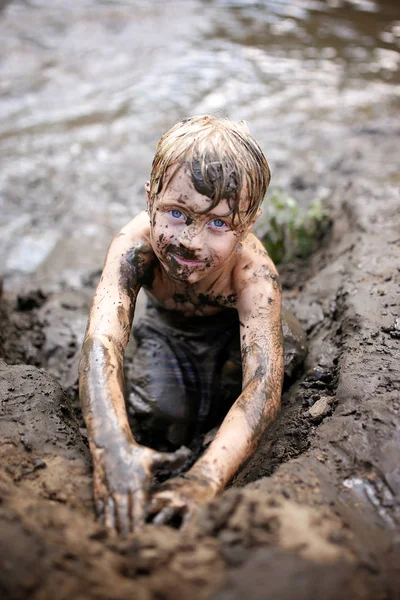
(186, 261)
(183, 257)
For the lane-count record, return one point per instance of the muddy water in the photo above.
(87, 87)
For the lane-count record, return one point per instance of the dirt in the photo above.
(314, 514)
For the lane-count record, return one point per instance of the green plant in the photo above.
(287, 230)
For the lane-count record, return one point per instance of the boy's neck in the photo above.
(206, 284)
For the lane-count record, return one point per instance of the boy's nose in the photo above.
(191, 238)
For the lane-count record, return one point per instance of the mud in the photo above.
(314, 514)
(86, 90)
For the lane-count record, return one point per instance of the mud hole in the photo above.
(314, 514)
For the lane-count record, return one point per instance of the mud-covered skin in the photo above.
(199, 263)
(179, 497)
(122, 468)
(258, 405)
(249, 280)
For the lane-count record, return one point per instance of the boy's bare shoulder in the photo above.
(137, 230)
(134, 235)
(130, 251)
(254, 270)
(254, 267)
(256, 284)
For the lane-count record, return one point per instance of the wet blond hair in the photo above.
(223, 160)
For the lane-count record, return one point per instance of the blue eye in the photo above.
(176, 214)
(218, 223)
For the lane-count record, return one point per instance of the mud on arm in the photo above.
(101, 385)
(122, 468)
(259, 307)
(107, 334)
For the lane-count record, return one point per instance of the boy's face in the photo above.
(191, 243)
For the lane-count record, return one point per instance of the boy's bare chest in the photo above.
(192, 300)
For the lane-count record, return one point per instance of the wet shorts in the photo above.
(187, 373)
(185, 376)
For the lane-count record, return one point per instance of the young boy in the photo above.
(209, 350)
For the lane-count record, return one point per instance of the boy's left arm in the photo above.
(259, 308)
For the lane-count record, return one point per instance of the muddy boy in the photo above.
(209, 349)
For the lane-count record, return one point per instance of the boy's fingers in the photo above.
(122, 510)
(170, 459)
(187, 517)
(138, 509)
(164, 516)
(99, 507)
(155, 506)
(109, 515)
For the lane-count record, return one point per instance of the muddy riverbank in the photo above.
(314, 514)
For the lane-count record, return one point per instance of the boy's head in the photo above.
(223, 159)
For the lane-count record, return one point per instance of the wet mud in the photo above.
(85, 93)
(315, 513)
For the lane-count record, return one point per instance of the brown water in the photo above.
(87, 87)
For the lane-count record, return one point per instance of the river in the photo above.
(87, 87)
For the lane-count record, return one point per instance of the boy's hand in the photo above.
(180, 497)
(121, 479)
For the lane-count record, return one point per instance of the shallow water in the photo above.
(87, 87)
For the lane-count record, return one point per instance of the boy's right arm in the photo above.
(122, 468)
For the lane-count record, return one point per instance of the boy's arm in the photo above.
(122, 468)
(259, 308)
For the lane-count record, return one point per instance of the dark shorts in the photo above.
(187, 373)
